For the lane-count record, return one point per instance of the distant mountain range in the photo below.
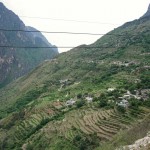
(93, 97)
(15, 62)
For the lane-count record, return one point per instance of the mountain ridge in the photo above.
(147, 14)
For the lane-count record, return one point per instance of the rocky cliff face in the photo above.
(15, 62)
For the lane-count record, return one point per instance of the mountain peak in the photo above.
(147, 14)
(2, 5)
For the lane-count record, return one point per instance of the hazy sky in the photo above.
(100, 16)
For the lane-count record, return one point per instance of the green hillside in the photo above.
(93, 97)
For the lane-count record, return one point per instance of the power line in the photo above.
(70, 20)
(36, 47)
(32, 47)
(54, 32)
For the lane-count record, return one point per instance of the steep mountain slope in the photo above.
(147, 13)
(15, 62)
(39, 36)
(92, 97)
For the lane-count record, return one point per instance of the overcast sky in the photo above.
(92, 16)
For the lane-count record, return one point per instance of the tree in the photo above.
(80, 103)
(102, 103)
(121, 109)
(79, 96)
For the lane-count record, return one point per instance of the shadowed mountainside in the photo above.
(15, 62)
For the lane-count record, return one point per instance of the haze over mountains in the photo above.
(15, 62)
(93, 97)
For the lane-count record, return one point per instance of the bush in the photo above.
(121, 109)
(25, 99)
(103, 103)
(79, 96)
(80, 103)
(147, 103)
(86, 142)
(134, 104)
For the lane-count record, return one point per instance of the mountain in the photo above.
(39, 36)
(147, 14)
(15, 62)
(92, 97)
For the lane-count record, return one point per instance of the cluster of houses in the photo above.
(72, 101)
(123, 101)
(142, 94)
(126, 64)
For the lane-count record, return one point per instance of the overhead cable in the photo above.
(55, 32)
(70, 20)
(44, 47)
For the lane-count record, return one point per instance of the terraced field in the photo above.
(104, 123)
(29, 125)
(45, 124)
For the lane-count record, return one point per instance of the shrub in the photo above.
(103, 103)
(147, 103)
(86, 142)
(121, 109)
(79, 96)
(134, 103)
(80, 103)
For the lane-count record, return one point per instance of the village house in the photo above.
(70, 102)
(128, 95)
(110, 89)
(63, 81)
(89, 99)
(124, 103)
